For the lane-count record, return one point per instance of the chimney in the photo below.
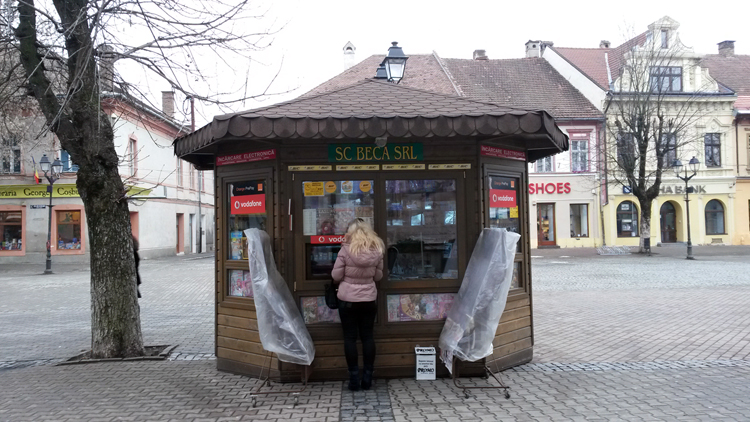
(604, 44)
(349, 50)
(726, 48)
(107, 67)
(480, 55)
(167, 103)
(533, 48)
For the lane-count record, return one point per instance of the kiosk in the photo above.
(429, 171)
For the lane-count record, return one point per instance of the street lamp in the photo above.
(678, 168)
(52, 173)
(394, 63)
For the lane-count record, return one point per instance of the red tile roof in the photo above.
(530, 83)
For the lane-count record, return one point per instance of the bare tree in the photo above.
(652, 110)
(61, 53)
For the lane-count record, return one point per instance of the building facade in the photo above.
(686, 87)
(164, 190)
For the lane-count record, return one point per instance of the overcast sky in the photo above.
(315, 32)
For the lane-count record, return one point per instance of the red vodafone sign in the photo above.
(322, 239)
(249, 204)
(501, 198)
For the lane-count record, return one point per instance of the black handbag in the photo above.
(332, 300)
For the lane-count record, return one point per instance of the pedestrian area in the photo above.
(617, 338)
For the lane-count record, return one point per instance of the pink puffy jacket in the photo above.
(357, 274)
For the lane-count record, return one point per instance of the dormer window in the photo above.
(664, 38)
(666, 79)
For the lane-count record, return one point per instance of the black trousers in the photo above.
(358, 320)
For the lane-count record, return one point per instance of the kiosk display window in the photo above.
(240, 283)
(421, 233)
(247, 210)
(328, 208)
(503, 204)
(315, 310)
(419, 307)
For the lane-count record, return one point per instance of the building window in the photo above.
(715, 217)
(11, 231)
(579, 153)
(669, 143)
(579, 220)
(68, 230)
(132, 155)
(179, 172)
(712, 143)
(627, 219)
(625, 150)
(192, 177)
(666, 79)
(67, 162)
(11, 156)
(664, 38)
(544, 165)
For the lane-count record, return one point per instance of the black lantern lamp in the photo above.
(394, 63)
(52, 173)
(677, 166)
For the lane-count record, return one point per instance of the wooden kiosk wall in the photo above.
(238, 347)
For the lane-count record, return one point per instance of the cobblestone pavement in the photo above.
(616, 338)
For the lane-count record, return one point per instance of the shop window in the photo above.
(315, 310)
(421, 233)
(712, 145)
(579, 220)
(11, 231)
(579, 154)
(328, 208)
(11, 156)
(67, 162)
(627, 219)
(68, 230)
(247, 210)
(545, 165)
(419, 307)
(715, 217)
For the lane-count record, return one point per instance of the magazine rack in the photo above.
(488, 372)
(267, 381)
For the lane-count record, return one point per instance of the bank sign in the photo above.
(355, 153)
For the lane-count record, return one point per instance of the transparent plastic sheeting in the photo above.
(472, 320)
(282, 330)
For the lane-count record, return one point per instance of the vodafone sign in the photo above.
(501, 198)
(326, 239)
(249, 204)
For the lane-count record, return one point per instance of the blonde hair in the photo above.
(362, 237)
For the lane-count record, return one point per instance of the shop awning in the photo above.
(371, 109)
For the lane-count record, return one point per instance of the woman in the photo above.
(358, 266)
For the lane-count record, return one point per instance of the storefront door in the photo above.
(546, 224)
(668, 227)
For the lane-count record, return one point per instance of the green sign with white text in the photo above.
(355, 153)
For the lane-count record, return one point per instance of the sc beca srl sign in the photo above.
(354, 153)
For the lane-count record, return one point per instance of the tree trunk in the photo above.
(645, 224)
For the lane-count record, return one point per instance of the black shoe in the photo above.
(354, 380)
(367, 379)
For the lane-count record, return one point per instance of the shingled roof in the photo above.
(373, 108)
(423, 71)
(732, 71)
(530, 83)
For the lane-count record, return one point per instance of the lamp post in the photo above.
(52, 173)
(394, 64)
(679, 168)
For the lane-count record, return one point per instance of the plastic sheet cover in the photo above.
(282, 330)
(472, 320)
